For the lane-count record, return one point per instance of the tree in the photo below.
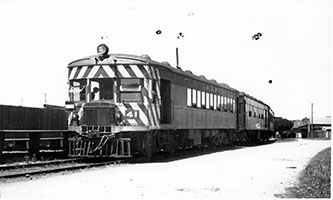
(281, 124)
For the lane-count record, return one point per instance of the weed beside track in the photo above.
(315, 180)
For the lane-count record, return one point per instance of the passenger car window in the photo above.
(189, 97)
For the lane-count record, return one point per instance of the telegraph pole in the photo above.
(177, 58)
(45, 98)
(311, 125)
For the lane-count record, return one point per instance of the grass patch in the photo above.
(315, 179)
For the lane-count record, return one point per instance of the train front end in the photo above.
(113, 104)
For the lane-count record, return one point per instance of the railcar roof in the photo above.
(253, 98)
(143, 59)
(112, 59)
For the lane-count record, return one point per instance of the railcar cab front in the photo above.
(112, 93)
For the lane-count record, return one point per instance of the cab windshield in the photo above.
(77, 90)
(91, 89)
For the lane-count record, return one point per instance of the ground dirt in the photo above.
(247, 173)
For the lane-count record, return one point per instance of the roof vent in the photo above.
(226, 85)
(166, 63)
(145, 56)
(188, 71)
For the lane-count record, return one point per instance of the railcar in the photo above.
(120, 105)
(255, 119)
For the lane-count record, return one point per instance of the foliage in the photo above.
(315, 179)
(281, 124)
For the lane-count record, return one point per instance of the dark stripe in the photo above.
(143, 108)
(128, 106)
(87, 72)
(146, 112)
(156, 109)
(143, 70)
(130, 71)
(101, 71)
(70, 71)
(153, 73)
(153, 116)
(116, 71)
(77, 72)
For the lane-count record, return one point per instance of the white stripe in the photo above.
(137, 71)
(158, 74)
(123, 71)
(109, 71)
(88, 94)
(158, 111)
(142, 115)
(145, 99)
(146, 85)
(153, 72)
(71, 76)
(93, 71)
(115, 91)
(148, 70)
(83, 70)
(132, 122)
(80, 113)
(150, 115)
(158, 90)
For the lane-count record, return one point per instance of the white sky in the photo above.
(39, 39)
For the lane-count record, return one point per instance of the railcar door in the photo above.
(241, 113)
(165, 101)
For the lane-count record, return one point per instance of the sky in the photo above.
(40, 38)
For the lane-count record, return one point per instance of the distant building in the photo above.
(321, 128)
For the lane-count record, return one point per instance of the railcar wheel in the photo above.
(148, 145)
(172, 145)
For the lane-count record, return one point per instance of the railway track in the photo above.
(31, 169)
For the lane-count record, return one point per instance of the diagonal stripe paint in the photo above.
(100, 73)
(69, 72)
(148, 71)
(133, 122)
(131, 107)
(109, 71)
(151, 119)
(152, 69)
(156, 119)
(93, 71)
(87, 71)
(137, 71)
(82, 71)
(130, 71)
(116, 71)
(142, 114)
(143, 71)
(80, 112)
(157, 107)
(77, 72)
(123, 71)
(115, 91)
(71, 76)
